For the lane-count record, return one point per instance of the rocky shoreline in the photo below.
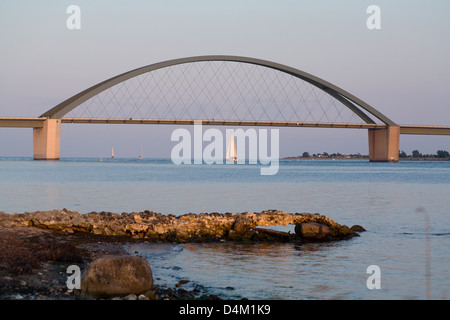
(37, 247)
(159, 227)
(34, 263)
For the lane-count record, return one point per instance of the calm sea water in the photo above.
(392, 201)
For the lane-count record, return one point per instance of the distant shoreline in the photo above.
(322, 158)
(362, 158)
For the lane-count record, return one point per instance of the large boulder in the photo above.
(313, 231)
(112, 276)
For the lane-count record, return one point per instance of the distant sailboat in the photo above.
(112, 152)
(141, 156)
(231, 151)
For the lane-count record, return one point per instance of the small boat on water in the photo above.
(112, 152)
(231, 151)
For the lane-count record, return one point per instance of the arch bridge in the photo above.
(219, 90)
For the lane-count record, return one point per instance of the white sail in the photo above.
(231, 151)
(112, 152)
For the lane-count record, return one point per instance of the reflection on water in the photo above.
(255, 270)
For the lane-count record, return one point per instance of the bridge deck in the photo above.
(226, 123)
(27, 122)
(21, 122)
(433, 130)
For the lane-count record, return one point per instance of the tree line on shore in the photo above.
(440, 154)
(332, 155)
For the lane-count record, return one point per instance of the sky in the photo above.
(401, 69)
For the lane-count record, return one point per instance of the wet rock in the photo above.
(357, 228)
(275, 235)
(111, 276)
(241, 225)
(345, 232)
(313, 231)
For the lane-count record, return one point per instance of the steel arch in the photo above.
(353, 103)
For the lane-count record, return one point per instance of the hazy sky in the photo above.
(403, 69)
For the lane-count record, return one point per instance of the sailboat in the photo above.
(112, 152)
(141, 156)
(231, 151)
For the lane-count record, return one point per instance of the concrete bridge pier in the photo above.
(384, 144)
(46, 140)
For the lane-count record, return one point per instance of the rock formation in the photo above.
(184, 228)
(313, 231)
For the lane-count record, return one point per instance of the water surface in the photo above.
(391, 200)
